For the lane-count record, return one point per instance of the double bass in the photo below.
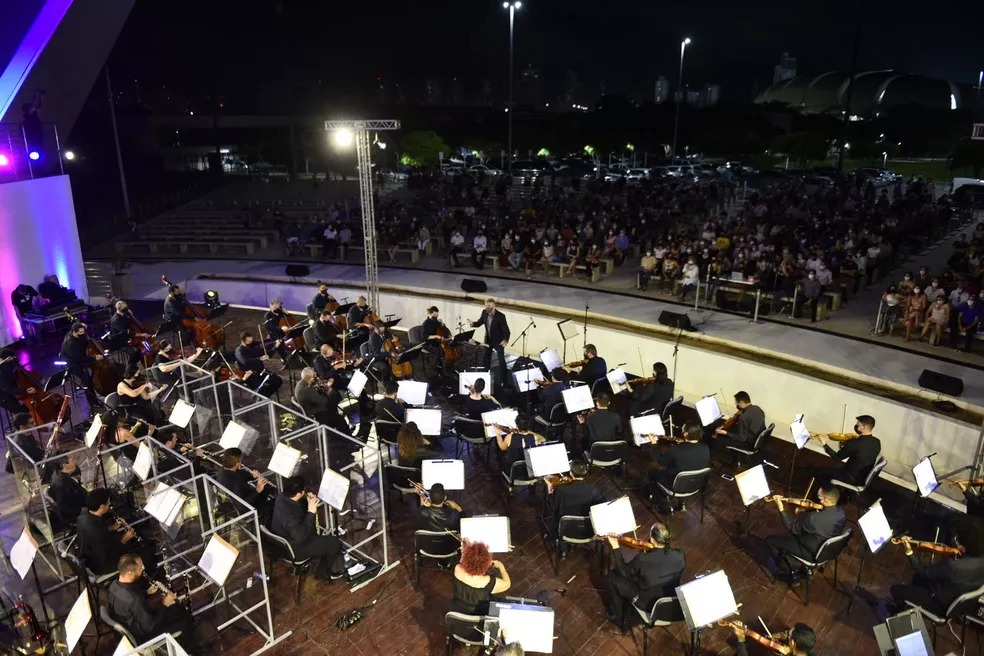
(203, 332)
(106, 373)
(146, 346)
(43, 406)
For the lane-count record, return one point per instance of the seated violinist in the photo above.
(860, 453)
(574, 497)
(320, 400)
(806, 531)
(935, 586)
(645, 578)
(263, 382)
(801, 639)
(477, 402)
(325, 329)
(688, 454)
(551, 391)
(513, 443)
(603, 425)
(438, 512)
(594, 366)
(652, 396)
(972, 496)
(751, 422)
(167, 363)
(274, 321)
(329, 366)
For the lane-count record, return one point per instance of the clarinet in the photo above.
(166, 590)
(126, 527)
(317, 518)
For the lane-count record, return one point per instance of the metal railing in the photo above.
(27, 153)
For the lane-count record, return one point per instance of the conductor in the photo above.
(496, 336)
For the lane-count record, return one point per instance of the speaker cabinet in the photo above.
(472, 286)
(948, 385)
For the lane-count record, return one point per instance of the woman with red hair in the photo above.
(476, 578)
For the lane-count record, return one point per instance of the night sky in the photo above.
(236, 46)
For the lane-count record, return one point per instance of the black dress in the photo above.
(469, 600)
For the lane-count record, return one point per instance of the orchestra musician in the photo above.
(551, 393)
(594, 366)
(972, 496)
(377, 353)
(935, 586)
(801, 639)
(860, 453)
(117, 433)
(477, 577)
(237, 478)
(322, 299)
(574, 497)
(496, 337)
(430, 332)
(9, 391)
(651, 396)
(389, 408)
(603, 425)
(806, 531)
(513, 444)
(73, 351)
(101, 543)
(120, 326)
(271, 324)
(412, 448)
(645, 578)
(263, 382)
(751, 422)
(477, 402)
(320, 401)
(294, 519)
(329, 367)
(27, 442)
(130, 605)
(67, 491)
(175, 309)
(688, 454)
(325, 330)
(168, 361)
(438, 512)
(137, 397)
(358, 318)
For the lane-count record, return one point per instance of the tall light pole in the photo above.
(683, 97)
(512, 7)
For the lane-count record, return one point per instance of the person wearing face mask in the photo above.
(968, 323)
(860, 453)
(915, 310)
(907, 284)
(937, 319)
(691, 277)
(810, 290)
(806, 531)
(935, 291)
(923, 280)
(647, 269)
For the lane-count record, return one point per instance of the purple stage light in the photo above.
(4, 160)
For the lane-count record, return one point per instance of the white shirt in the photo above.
(480, 243)
(691, 273)
(824, 276)
(457, 239)
(958, 298)
(330, 233)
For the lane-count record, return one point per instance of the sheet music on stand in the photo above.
(217, 559)
(357, 383)
(505, 417)
(801, 435)
(752, 485)
(707, 599)
(613, 517)
(124, 648)
(144, 461)
(874, 526)
(284, 460)
(616, 378)
(493, 530)
(449, 473)
(651, 424)
(925, 475)
(577, 399)
(468, 378)
(78, 618)
(23, 552)
(428, 420)
(568, 330)
(531, 625)
(547, 459)
(551, 359)
(232, 436)
(181, 414)
(526, 379)
(93, 431)
(165, 504)
(708, 410)
(334, 489)
(412, 392)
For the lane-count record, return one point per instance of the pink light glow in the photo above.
(4, 160)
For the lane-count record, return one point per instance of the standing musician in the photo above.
(806, 531)
(271, 323)
(322, 299)
(651, 396)
(860, 453)
(496, 337)
(574, 497)
(430, 331)
(175, 309)
(802, 639)
(73, 350)
(320, 400)
(603, 425)
(236, 477)
(358, 318)
(935, 586)
(67, 491)
(325, 330)
(263, 382)
(645, 578)
(168, 361)
(437, 511)
(593, 368)
(9, 391)
(751, 422)
(389, 408)
(129, 604)
(295, 520)
(100, 543)
(120, 326)
(688, 454)
(477, 403)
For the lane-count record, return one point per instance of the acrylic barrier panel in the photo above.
(310, 466)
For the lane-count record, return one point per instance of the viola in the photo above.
(806, 504)
(203, 333)
(558, 479)
(973, 482)
(930, 547)
(765, 641)
(43, 406)
(394, 349)
(630, 542)
(106, 373)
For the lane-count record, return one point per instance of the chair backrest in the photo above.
(311, 312)
(832, 547)
(387, 430)
(558, 414)
(690, 482)
(463, 627)
(297, 405)
(401, 477)
(666, 609)
(310, 339)
(280, 546)
(760, 439)
(671, 406)
(469, 428)
(880, 464)
(600, 385)
(364, 350)
(108, 618)
(574, 528)
(112, 401)
(518, 472)
(436, 544)
(415, 335)
(608, 452)
(963, 604)
(79, 570)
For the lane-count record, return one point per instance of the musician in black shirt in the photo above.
(9, 391)
(167, 363)
(388, 408)
(438, 512)
(551, 393)
(100, 542)
(67, 491)
(237, 478)
(263, 382)
(477, 403)
(358, 320)
(73, 350)
(376, 352)
(593, 368)
(325, 330)
(860, 453)
(807, 530)
(322, 299)
(751, 422)
(120, 325)
(28, 442)
(429, 333)
(574, 498)
(294, 519)
(603, 425)
(51, 289)
(176, 308)
(271, 323)
(689, 455)
(653, 395)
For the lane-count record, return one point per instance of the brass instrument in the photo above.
(38, 640)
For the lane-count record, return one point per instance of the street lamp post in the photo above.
(683, 97)
(512, 7)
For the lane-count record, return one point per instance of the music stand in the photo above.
(463, 337)
(568, 330)
(392, 322)
(343, 309)
(217, 312)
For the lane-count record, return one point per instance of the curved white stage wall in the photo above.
(907, 433)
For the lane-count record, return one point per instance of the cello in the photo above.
(450, 352)
(143, 341)
(106, 373)
(43, 406)
(394, 349)
(204, 333)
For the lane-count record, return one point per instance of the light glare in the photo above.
(69, 155)
(34, 155)
(4, 160)
(343, 137)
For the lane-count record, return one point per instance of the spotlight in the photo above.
(4, 160)
(69, 155)
(343, 137)
(212, 299)
(34, 155)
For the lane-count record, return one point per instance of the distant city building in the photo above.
(712, 94)
(785, 70)
(661, 93)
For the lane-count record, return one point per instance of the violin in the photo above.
(836, 437)
(931, 547)
(805, 504)
(43, 406)
(972, 482)
(732, 420)
(558, 479)
(394, 349)
(672, 439)
(106, 373)
(203, 333)
(577, 363)
(631, 543)
(765, 641)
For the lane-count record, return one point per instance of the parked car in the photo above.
(479, 169)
